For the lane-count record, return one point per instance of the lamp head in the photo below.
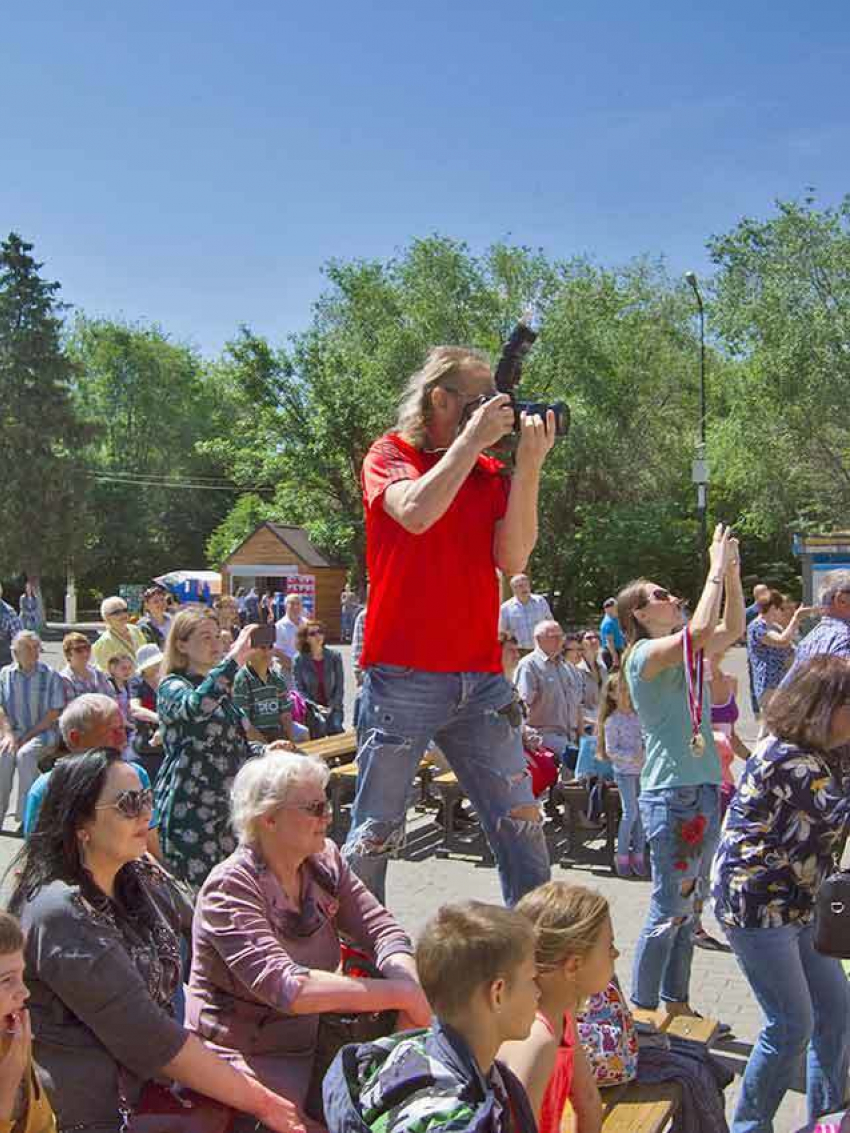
(690, 277)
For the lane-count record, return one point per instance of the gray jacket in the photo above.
(306, 678)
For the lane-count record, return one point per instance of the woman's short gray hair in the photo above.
(263, 784)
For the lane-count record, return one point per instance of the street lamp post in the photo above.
(700, 468)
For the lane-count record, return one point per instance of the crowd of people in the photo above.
(186, 949)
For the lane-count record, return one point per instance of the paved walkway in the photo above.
(417, 886)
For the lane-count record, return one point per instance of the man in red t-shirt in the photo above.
(441, 517)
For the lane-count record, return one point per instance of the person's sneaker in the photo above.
(638, 865)
(622, 866)
(704, 940)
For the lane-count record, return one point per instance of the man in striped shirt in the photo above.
(10, 624)
(32, 696)
(520, 614)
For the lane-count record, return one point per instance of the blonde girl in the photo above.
(575, 956)
(620, 742)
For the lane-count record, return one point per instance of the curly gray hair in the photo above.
(833, 583)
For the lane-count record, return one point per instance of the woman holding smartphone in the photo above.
(205, 742)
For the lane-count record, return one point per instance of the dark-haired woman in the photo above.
(102, 958)
(680, 781)
(770, 645)
(788, 819)
(318, 676)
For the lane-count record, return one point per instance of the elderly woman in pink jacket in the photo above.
(267, 931)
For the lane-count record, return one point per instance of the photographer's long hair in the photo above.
(441, 364)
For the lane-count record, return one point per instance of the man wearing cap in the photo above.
(119, 637)
(611, 635)
(143, 686)
(155, 622)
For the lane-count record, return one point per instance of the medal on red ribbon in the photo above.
(693, 683)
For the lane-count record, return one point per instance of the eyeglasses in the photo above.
(130, 804)
(315, 633)
(315, 810)
(81, 649)
(657, 595)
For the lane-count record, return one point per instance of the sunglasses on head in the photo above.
(315, 810)
(130, 804)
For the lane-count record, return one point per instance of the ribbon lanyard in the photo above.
(693, 683)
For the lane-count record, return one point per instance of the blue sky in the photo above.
(195, 164)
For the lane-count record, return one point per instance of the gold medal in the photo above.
(698, 744)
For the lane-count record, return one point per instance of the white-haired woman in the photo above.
(267, 932)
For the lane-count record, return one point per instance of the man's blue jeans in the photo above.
(402, 710)
(679, 884)
(805, 1001)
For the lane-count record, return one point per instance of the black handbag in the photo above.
(832, 916)
(338, 1030)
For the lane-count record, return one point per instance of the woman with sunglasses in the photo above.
(680, 782)
(318, 676)
(268, 922)
(79, 676)
(102, 959)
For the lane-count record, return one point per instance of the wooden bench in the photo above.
(640, 1107)
(688, 1027)
(574, 796)
(451, 793)
(332, 749)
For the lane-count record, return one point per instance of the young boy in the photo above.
(23, 1102)
(476, 965)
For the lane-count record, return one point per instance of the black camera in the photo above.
(509, 371)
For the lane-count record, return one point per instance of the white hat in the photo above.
(147, 657)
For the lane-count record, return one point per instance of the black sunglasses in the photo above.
(130, 804)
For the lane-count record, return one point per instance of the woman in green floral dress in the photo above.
(204, 744)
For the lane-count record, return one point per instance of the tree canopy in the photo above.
(145, 456)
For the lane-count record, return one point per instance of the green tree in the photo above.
(40, 432)
(154, 495)
(618, 346)
(782, 310)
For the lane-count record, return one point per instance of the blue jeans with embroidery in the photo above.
(680, 872)
(402, 710)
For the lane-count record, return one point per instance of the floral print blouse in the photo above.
(787, 820)
(204, 745)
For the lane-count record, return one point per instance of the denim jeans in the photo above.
(679, 884)
(401, 711)
(630, 835)
(805, 1001)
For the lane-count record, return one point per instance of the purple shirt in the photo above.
(830, 635)
(252, 949)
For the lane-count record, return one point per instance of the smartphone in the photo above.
(262, 636)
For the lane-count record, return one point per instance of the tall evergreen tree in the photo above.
(40, 434)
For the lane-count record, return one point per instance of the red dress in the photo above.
(561, 1083)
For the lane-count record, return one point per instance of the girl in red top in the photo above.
(575, 959)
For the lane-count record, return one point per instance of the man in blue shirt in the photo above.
(832, 633)
(10, 624)
(31, 697)
(90, 721)
(611, 635)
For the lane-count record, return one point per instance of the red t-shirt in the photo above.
(561, 1083)
(434, 597)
